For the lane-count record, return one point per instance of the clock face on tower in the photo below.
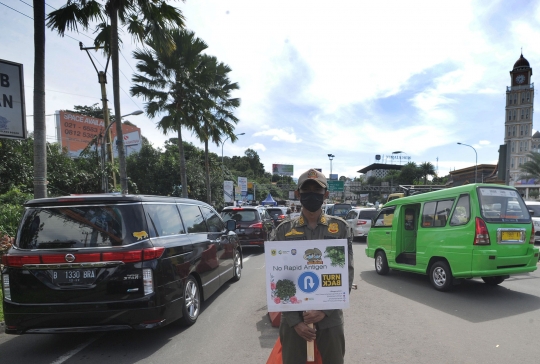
(520, 79)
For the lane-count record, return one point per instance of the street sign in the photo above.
(336, 186)
(12, 108)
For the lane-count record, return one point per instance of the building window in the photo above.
(521, 130)
(522, 114)
(526, 143)
(514, 130)
(527, 130)
(522, 97)
(527, 114)
(521, 146)
(515, 98)
(528, 96)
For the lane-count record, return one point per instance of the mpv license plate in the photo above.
(511, 235)
(77, 276)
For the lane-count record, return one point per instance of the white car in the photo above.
(359, 219)
(534, 206)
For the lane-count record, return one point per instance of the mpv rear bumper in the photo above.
(21, 319)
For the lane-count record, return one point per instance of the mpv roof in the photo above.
(108, 199)
(443, 193)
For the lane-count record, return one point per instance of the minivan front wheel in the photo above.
(381, 263)
(191, 307)
(440, 276)
(237, 267)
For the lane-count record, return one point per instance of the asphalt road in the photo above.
(398, 318)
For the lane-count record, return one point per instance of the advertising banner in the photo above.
(76, 131)
(237, 193)
(228, 191)
(306, 275)
(291, 195)
(12, 107)
(243, 183)
(283, 169)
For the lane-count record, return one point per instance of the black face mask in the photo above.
(312, 201)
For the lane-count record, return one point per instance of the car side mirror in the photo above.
(231, 225)
(531, 212)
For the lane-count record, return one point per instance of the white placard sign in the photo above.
(306, 275)
(12, 108)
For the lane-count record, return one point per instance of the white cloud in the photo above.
(280, 135)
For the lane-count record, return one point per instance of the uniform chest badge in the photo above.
(333, 228)
(293, 232)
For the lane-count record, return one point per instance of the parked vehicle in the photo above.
(341, 209)
(253, 224)
(328, 209)
(359, 219)
(534, 209)
(476, 230)
(278, 213)
(114, 262)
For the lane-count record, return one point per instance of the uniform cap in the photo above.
(312, 175)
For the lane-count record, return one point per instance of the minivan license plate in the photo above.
(77, 276)
(511, 235)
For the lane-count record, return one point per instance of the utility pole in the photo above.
(102, 79)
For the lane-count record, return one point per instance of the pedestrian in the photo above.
(377, 204)
(313, 224)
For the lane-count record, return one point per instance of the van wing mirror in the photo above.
(231, 225)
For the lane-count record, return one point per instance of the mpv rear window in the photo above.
(502, 205)
(239, 215)
(367, 215)
(81, 226)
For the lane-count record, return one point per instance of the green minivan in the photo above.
(476, 230)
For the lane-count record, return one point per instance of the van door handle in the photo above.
(388, 232)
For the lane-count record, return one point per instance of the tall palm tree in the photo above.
(216, 118)
(427, 169)
(143, 19)
(40, 132)
(171, 82)
(531, 168)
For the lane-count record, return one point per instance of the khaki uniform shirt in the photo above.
(328, 227)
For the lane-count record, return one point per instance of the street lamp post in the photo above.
(222, 168)
(104, 179)
(331, 157)
(475, 160)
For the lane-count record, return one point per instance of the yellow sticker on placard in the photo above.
(140, 235)
(333, 228)
(293, 232)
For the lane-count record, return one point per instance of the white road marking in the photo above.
(71, 353)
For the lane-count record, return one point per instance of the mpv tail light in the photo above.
(130, 256)
(256, 226)
(531, 240)
(361, 222)
(148, 281)
(481, 236)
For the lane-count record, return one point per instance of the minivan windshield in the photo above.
(81, 226)
(502, 205)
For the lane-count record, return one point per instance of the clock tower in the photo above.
(518, 118)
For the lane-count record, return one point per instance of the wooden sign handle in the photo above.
(310, 348)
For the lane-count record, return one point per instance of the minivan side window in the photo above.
(462, 212)
(435, 213)
(351, 215)
(385, 217)
(163, 220)
(214, 222)
(193, 218)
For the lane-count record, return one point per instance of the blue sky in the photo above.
(351, 78)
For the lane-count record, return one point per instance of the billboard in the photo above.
(76, 131)
(283, 169)
(228, 191)
(243, 184)
(12, 108)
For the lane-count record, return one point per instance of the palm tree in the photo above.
(40, 140)
(216, 116)
(143, 19)
(531, 168)
(172, 83)
(427, 169)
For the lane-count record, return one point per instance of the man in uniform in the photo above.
(312, 224)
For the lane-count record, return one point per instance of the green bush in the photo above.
(10, 216)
